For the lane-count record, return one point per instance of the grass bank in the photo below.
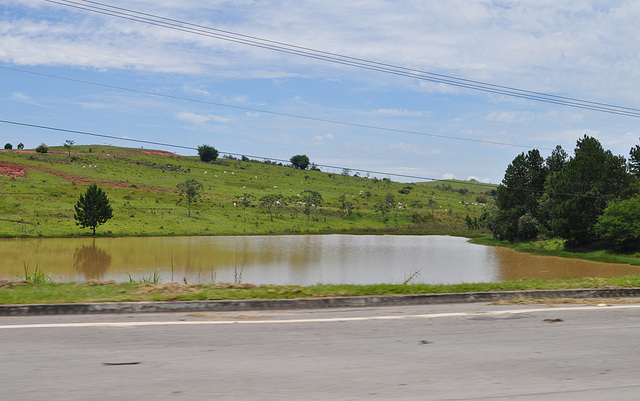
(555, 247)
(40, 190)
(26, 292)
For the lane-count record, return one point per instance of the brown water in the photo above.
(303, 259)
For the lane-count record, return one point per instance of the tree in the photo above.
(207, 153)
(385, 206)
(8, 146)
(619, 225)
(42, 148)
(634, 161)
(311, 200)
(301, 162)
(557, 160)
(271, 201)
(20, 146)
(519, 194)
(245, 200)
(579, 193)
(92, 209)
(67, 144)
(191, 191)
(346, 205)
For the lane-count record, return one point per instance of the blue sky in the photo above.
(580, 49)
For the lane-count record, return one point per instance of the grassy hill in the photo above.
(38, 192)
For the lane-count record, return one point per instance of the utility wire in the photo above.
(317, 119)
(70, 131)
(492, 186)
(151, 19)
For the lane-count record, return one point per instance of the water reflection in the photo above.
(305, 260)
(91, 260)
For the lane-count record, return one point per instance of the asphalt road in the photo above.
(440, 352)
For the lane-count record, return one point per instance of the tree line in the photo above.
(590, 198)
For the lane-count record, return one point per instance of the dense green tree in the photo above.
(578, 194)
(619, 225)
(207, 153)
(8, 146)
(300, 162)
(191, 190)
(519, 195)
(92, 209)
(557, 160)
(20, 146)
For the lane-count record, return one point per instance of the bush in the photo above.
(300, 162)
(42, 148)
(619, 225)
(8, 146)
(207, 153)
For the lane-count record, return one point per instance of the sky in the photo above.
(77, 70)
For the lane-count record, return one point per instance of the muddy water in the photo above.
(304, 260)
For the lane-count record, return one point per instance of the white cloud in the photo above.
(412, 148)
(199, 118)
(485, 180)
(508, 116)
(401, 113)
(195, 91)
(448, 176)
(321, 139)
(541, 45)
(21, 97)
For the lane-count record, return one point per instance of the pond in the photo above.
(299, 259)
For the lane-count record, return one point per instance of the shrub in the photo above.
(42, 148)
(207, 153)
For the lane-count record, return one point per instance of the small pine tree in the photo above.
(92, 209)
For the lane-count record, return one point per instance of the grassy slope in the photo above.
(142, 190)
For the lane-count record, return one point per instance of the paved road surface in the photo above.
(442, 352)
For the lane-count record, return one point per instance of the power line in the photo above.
(183, 26)
(308, 118)
(492, 186)
(71, 131)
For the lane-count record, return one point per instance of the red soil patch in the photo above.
(11, 170)
(157, 153)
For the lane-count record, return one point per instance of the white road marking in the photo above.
(319, 320)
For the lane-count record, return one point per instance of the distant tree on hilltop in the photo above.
(300, 162)
(207, 153)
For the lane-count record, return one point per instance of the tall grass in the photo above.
(155, 278)
(36, 277)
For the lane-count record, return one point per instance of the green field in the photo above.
(38, 192)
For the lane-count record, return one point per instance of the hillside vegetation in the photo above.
(38, 192)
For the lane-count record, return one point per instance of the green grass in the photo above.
(142, 191)
(36, 277)
(29, 293)
(555, 247)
